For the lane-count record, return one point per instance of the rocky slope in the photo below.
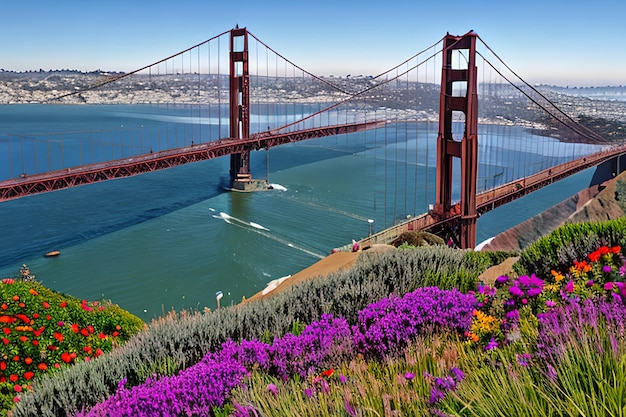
(597, 203)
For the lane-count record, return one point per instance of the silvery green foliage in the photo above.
(185, 338)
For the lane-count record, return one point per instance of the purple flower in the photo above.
(570, 286)
(343, 379)
(590, 283)
(501, 280)
(622, 270)
(608, 286)
(516, 291)
(349, 408)
(492, 344)
(607, 268)
(457, 374)
(409, 375)
(550, 303)
(523, 359)
(308, 392)
(272, 388)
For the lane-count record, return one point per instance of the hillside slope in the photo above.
(597, 203)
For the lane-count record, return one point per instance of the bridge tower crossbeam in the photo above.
(455, 75)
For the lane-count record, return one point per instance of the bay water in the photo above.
(172, 239)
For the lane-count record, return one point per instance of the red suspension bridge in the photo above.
(255, 99)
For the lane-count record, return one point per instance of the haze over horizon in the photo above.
(563, 43)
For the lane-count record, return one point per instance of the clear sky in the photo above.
(575, 42)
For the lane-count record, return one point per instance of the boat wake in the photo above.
(263, 231)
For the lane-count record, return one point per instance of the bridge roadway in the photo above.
(87, 174)
(491, 199)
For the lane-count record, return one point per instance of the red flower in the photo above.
(13, 378)
(6, 330)
(329, 372)
(48, 317)
(595, 256)
(36, 315)
(87, 349)
(17, 388)
(42, 366)
(52, 347)
(23, 338)
(7, 319)
(23, 317)
(5, 340)
(615, 249)
(29, 374)
(3, 366)
(63, 304)
(75, 328)
(35, 343)
(115, 334)
(4, 306)
(59, 336)
(102, 335)
(90, 328)
(84, 332)
(66, 357)
(16, 358)
(28, 361)
(46, 304)
(38, 333)
(22, 305)
(99, 352)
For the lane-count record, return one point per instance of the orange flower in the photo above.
(16, 298)
(33, 292)
(28, 361)
(7, 319)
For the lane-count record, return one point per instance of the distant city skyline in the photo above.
(565, 43)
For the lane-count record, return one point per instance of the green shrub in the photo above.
(44, 332)
(571, 242)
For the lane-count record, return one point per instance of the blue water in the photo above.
(171, 239)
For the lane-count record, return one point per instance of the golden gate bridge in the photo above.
(236, 95)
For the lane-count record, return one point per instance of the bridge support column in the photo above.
(458, 104)
(240, 176)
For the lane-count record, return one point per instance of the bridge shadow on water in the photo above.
(37, 224)
(40, 223)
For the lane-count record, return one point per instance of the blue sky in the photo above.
(574, 42)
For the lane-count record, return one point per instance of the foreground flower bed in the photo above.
(44, 331)
(527, 331)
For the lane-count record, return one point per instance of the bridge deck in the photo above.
(494, 198)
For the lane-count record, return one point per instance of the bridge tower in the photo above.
(458, 104)
(239, 85)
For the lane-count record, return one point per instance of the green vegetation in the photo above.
(547, 342)
(44, 332)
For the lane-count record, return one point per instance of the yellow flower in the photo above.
(557, 275)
